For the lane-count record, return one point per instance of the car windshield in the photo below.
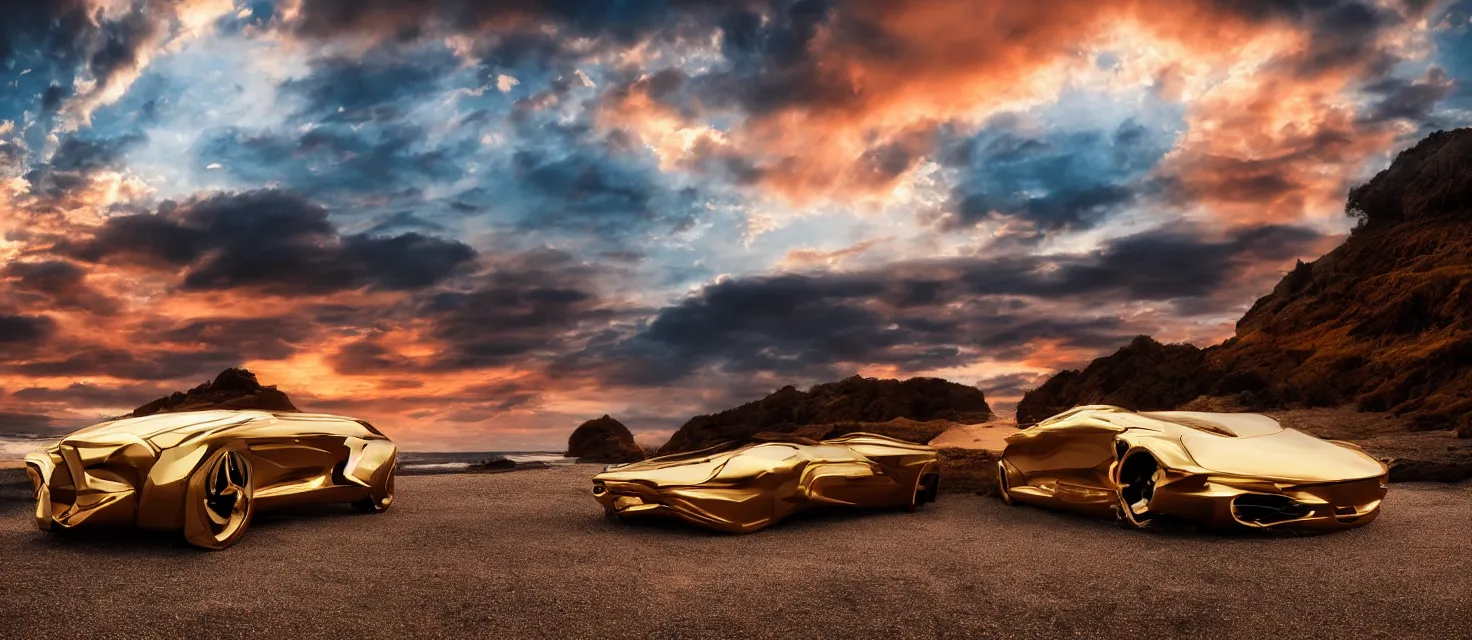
(1231, 425)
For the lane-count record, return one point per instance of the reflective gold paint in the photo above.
(745, 489)
(1217, 469)
(206, 473)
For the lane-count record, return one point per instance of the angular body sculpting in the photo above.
(205, 473)
(1220, 470)
(748, 488)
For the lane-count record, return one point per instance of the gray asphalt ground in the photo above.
(529, 554)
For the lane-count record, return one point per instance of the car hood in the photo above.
(1286, 455)
(148, 427)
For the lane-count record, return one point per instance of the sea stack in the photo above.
(603, 440)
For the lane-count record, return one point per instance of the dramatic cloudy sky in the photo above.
(478, 224)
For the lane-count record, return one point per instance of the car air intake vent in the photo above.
(1267, 509)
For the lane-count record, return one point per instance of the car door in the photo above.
(1067, 462)
(297, 460)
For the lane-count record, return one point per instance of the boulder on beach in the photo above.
(603, 440)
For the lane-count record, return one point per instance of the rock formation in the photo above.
(603, 440)
(232, 389)
(1381, 323)
(833, 409)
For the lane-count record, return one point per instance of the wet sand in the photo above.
(529, 554)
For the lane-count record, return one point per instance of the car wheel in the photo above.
(1003, 489)
(380, 497)
(926, 488)
(1138, 475)
(220, 501)
(922, 490)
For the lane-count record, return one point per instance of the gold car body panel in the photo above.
(1219, 470)
(751, 487)
(137, 471)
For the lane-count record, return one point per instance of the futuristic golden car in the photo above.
(739, 490)
(1220, 470)
(205, 473)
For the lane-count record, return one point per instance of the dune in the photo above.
(987, 436)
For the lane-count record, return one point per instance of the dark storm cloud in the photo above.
(1010, 384)
(524, 309)
(111, 395)
(52, 98)
(769, 65)
(64, 42)
(932, 314)
(525, 306)
(378, 86)
(118, 42)
(1177, 264)
(269, 240)
(270, 338)
(566, 178)
(133, 364)
(162, 350)
(81, 154)
(1054, 180)
(27, 423)
(1344, 33)
(402, 220)
(56, 284)
(1412, 100)
(623, 22)
(335, 159)
(76, 159)
(585, 188)
(24, 328)
(58, 27)
(819, 326)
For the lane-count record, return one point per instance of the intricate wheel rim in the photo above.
(227, 495)
(1136, 492)
(1146, 488)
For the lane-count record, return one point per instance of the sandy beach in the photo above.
(529, 554)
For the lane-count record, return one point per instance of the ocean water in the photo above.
(14, 447)
(457, 461)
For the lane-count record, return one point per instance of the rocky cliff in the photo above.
(829, 410)
(1381, 323)
(232, 389)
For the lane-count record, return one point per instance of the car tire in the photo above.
(220, 499)
(1003, 490)
(926, 487)
(380, 497)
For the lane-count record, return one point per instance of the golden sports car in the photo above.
(205, 473)
(748, 488)
(1220, 470)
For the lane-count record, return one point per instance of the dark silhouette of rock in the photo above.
(234, 388)
(495, 463)
(1382, 323)
(603, 440)
(1144, 375)
(836, 408)
(502, 464)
